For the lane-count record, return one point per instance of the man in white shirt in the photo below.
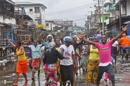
(66, 65)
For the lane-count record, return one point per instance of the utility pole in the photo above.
(98, 3)
(103, 27)
(101, 15)
(120, 15)
(99, 12)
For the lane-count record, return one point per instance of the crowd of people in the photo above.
(62, 57)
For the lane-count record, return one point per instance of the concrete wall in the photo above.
(50, 26)
(7, 20)
(128, 7)
(123, 11)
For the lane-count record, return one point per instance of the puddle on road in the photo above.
(8, 80)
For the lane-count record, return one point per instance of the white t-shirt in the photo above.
(68, 52)
(115, 44)
(105, 64)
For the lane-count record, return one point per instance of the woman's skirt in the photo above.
(58, 71)
(50, 74)
(67, 73)
(36, 64)
(92, 69)
(21, 67)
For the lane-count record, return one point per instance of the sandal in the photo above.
(15, 84)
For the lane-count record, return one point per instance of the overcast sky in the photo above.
(76, 10)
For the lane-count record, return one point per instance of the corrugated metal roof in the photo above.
(29, 4)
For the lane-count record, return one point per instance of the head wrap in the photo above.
(67, 39)
(49, 36)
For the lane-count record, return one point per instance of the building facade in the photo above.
(120, 11)
(7, 20)
(35, 10)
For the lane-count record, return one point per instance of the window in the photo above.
(30, 10)
(106, 18)
(47, 24)
(38, 21)
(37, 9)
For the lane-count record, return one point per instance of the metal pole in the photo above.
(120, 15)
(98, 3)
(103, 29)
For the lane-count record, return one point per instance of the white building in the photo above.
(35, 10)
(56, 25)
(51, 25)
(7, 12)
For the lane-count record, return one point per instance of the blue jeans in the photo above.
(125, 47)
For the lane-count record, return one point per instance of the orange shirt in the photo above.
(124, 41)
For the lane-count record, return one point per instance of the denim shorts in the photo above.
(108, 69)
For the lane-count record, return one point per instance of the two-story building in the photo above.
(35, 10)
(120, 15)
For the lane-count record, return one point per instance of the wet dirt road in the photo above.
(122, 78)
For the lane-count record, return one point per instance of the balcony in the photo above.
(6, 9)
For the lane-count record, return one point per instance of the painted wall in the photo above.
(105, 17)
(128, 31)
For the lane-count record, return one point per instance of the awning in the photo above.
(40, 26)
(26, 17)
(4, 24)
(1, 25)
(124, 20)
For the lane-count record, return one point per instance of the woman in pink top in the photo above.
(105, 63)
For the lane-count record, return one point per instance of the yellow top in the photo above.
(94, 54)
(21, 57)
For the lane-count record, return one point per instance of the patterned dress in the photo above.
(92, 67)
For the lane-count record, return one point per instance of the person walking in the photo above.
(49, 40)
(51, 56)
(105, 62)
(93, 62)
(77, 46)
(124, 41)
(21, 63)
(66, 65)
(58, 43)
(36, 58)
